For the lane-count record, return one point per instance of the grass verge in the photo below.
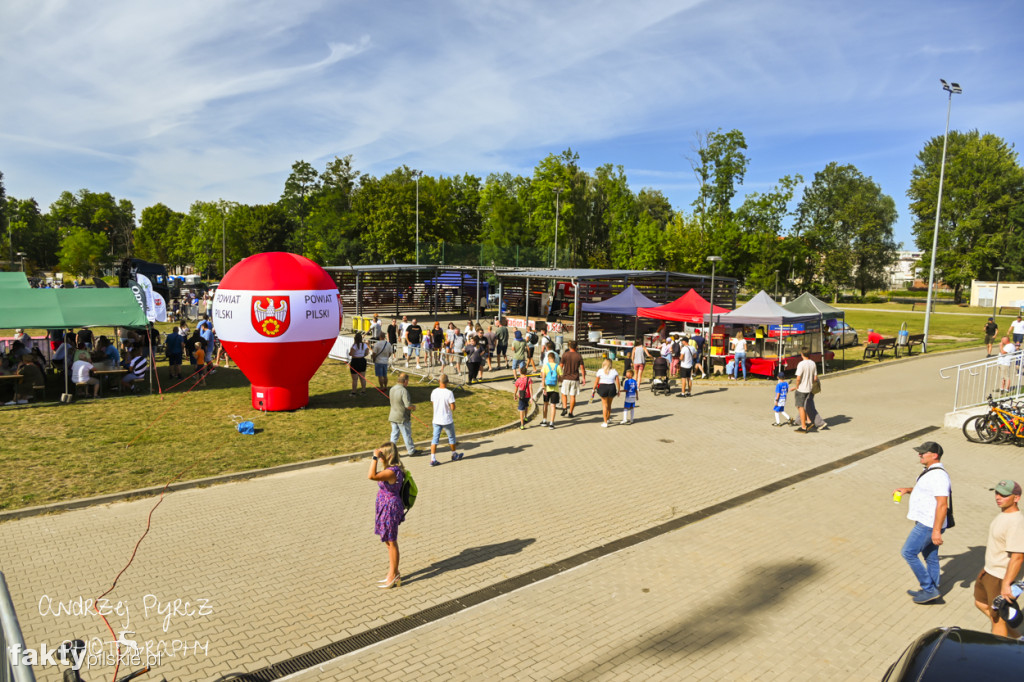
(52, 452)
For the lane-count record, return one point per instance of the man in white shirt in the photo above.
(375, 328)
(1004, 556)
(929, 504)
(686, 358)
(444, 418)
(806, 373)
(82, 373)
(1017, 327)
(1005, 363)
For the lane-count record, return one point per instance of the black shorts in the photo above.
(174, 359)
(551, 395)
(357, 366)
(529, 351)
(501, 349)
(686, 372)
(606, 390)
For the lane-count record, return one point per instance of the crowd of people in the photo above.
(85, 357)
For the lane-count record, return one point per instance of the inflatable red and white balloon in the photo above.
(277, 315)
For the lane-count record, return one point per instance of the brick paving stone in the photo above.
(288, 558)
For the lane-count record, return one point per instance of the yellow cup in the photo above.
(896, 497)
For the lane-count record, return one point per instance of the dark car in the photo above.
(950, 654)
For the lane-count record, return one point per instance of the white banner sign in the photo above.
(276, 316)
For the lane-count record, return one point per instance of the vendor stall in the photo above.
(775, 336)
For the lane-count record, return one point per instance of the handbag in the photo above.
(816, 387)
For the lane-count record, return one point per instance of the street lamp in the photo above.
(952, 89)
(223, 243)
(21, 255)
(416, 175)
(776, 286)
(995, 299)
(558, 193)
(711, 308)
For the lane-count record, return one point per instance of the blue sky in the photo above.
(175, 102)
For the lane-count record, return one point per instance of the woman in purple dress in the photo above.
(390, 508)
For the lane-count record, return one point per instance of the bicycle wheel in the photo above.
(992, 429)
(972, 429)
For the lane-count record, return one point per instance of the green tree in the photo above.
(31, 232)
(386, 211)
(157, 235)
(82, 252)
(97, 213)
(761, 218)
(846, 222)
(720, 166)
(981, 207)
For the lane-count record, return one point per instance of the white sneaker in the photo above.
(604, 425)
(10, 402)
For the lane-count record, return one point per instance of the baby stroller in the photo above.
(661, 384)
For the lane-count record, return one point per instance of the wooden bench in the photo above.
(912, 340)
(877, 350)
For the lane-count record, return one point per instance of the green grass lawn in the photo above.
(52, 452)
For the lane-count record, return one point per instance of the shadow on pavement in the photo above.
(963, 567)
(733, 615)
(838, 419)
(469, 557)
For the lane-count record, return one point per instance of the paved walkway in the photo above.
(802, 583)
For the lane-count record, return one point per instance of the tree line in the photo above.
(838, 235)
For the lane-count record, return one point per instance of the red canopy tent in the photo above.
(690, 307)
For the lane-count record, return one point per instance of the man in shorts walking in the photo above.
(687, 358)
(501, 342)
(549, 372)
(1017, 328)
(444, 419)
(413, 342)
(991, 330)
(574, 373)
(1004, 556)
(806, 373)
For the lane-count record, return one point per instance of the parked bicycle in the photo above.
(1004, 422)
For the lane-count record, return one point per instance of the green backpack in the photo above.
(409, 491)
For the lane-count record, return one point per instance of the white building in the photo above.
(904, 269)
(983, 294)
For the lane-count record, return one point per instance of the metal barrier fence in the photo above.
(999, 376)
(11, 639)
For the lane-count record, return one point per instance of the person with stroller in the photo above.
(660, 383)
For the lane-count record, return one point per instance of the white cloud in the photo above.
(198, 99)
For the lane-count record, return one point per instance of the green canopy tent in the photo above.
(13, 280)
(809, 304)
(64, 308)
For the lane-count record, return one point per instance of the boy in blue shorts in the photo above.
(630, 389)
(781, 393)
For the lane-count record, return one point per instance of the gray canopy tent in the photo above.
(763, 310)
(809, 304)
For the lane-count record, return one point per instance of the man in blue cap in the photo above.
(931, 511)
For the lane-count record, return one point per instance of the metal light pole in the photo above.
(223, 243)
(776, 286)
(711, 308)
(21, 255)
(995, 299)
(951, 88)
(558, 193)
(416, 175)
